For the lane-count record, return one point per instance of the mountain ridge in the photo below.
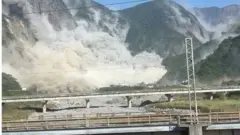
(71, 52)
(216, 15)
(150, 22)
(223, 63)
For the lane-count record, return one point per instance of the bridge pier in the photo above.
(196, 129)
(87, 103)
(211, 95)
(129, 101)
(44, 108)
(169, 97)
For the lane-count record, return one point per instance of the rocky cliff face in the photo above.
(161, 26)
(216, 16)
(222, 64)
(54, 49)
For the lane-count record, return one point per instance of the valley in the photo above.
(81, 46)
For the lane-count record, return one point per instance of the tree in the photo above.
(235, 94)
(9, 83)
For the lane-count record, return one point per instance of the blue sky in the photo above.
(188, 3)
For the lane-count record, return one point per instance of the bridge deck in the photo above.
(83, 122)
(109, 94)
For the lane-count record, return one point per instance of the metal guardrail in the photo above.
(52, 95)
(70, 115)
(85, 94)
(71, 122)
(94, 95)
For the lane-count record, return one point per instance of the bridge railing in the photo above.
(87, 93)
(43, 117)
(52, 95)
(118, 121)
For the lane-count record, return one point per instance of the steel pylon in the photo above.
(191, 78)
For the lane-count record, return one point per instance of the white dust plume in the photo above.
(77, 60)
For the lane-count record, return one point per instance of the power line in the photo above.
(92, 6)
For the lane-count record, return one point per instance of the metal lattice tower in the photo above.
(191, 77)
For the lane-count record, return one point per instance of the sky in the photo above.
(186, 3)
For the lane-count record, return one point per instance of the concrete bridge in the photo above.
(215, 123)
(128, 94)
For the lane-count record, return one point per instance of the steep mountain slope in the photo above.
(176, 65)
(48, 47)
(96, 16)
(161, 26)
(223, 63)
(222, 22)
(54, 49)
(215, 15)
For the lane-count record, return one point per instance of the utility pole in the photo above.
(191, 77)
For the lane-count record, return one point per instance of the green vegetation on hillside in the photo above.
(15, 111)
(235, 94)
(237, 30)
(223, 62)
(120, 88)
(142, 86)
(176, 65)
(11, 87)
(152, 28)
(9, 83)
(203, 105)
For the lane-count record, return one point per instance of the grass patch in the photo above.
(16, 93)
(203, 105)
(21, 110)
(120, 88)
(17, 111)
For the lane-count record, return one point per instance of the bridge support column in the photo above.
(44, 108)
(195, 129)
(169, 97)
(211, 95)
(87, 103)
(129, 101)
